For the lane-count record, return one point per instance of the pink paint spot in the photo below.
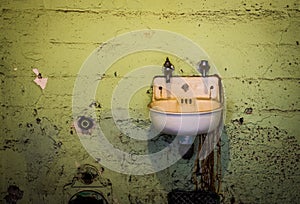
(39, 80)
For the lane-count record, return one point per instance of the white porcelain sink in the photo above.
(186, 106)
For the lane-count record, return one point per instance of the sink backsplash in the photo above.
(186, 88)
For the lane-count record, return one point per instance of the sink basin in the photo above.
(186, 106)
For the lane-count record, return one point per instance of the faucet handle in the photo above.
(168, 64)
(204, 67)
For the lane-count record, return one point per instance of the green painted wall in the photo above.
(254, 45)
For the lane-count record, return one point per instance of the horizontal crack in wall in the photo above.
(263, 78)
(280, 110)
(234, 14)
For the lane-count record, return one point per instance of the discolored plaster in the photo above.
(254, 45)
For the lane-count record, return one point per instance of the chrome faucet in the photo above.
(168, 70)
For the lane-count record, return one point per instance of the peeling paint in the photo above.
(255, 46)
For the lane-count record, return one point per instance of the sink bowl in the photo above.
(186, 106)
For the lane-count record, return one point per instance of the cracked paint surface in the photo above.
(254, 45)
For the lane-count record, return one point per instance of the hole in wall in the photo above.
(14, 194)
(85, 123)
(87, 173)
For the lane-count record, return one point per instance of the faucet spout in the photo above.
(168, 70)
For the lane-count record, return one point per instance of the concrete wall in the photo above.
(254, 45)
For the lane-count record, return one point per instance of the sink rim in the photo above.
(156, 108)
(187, 113)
